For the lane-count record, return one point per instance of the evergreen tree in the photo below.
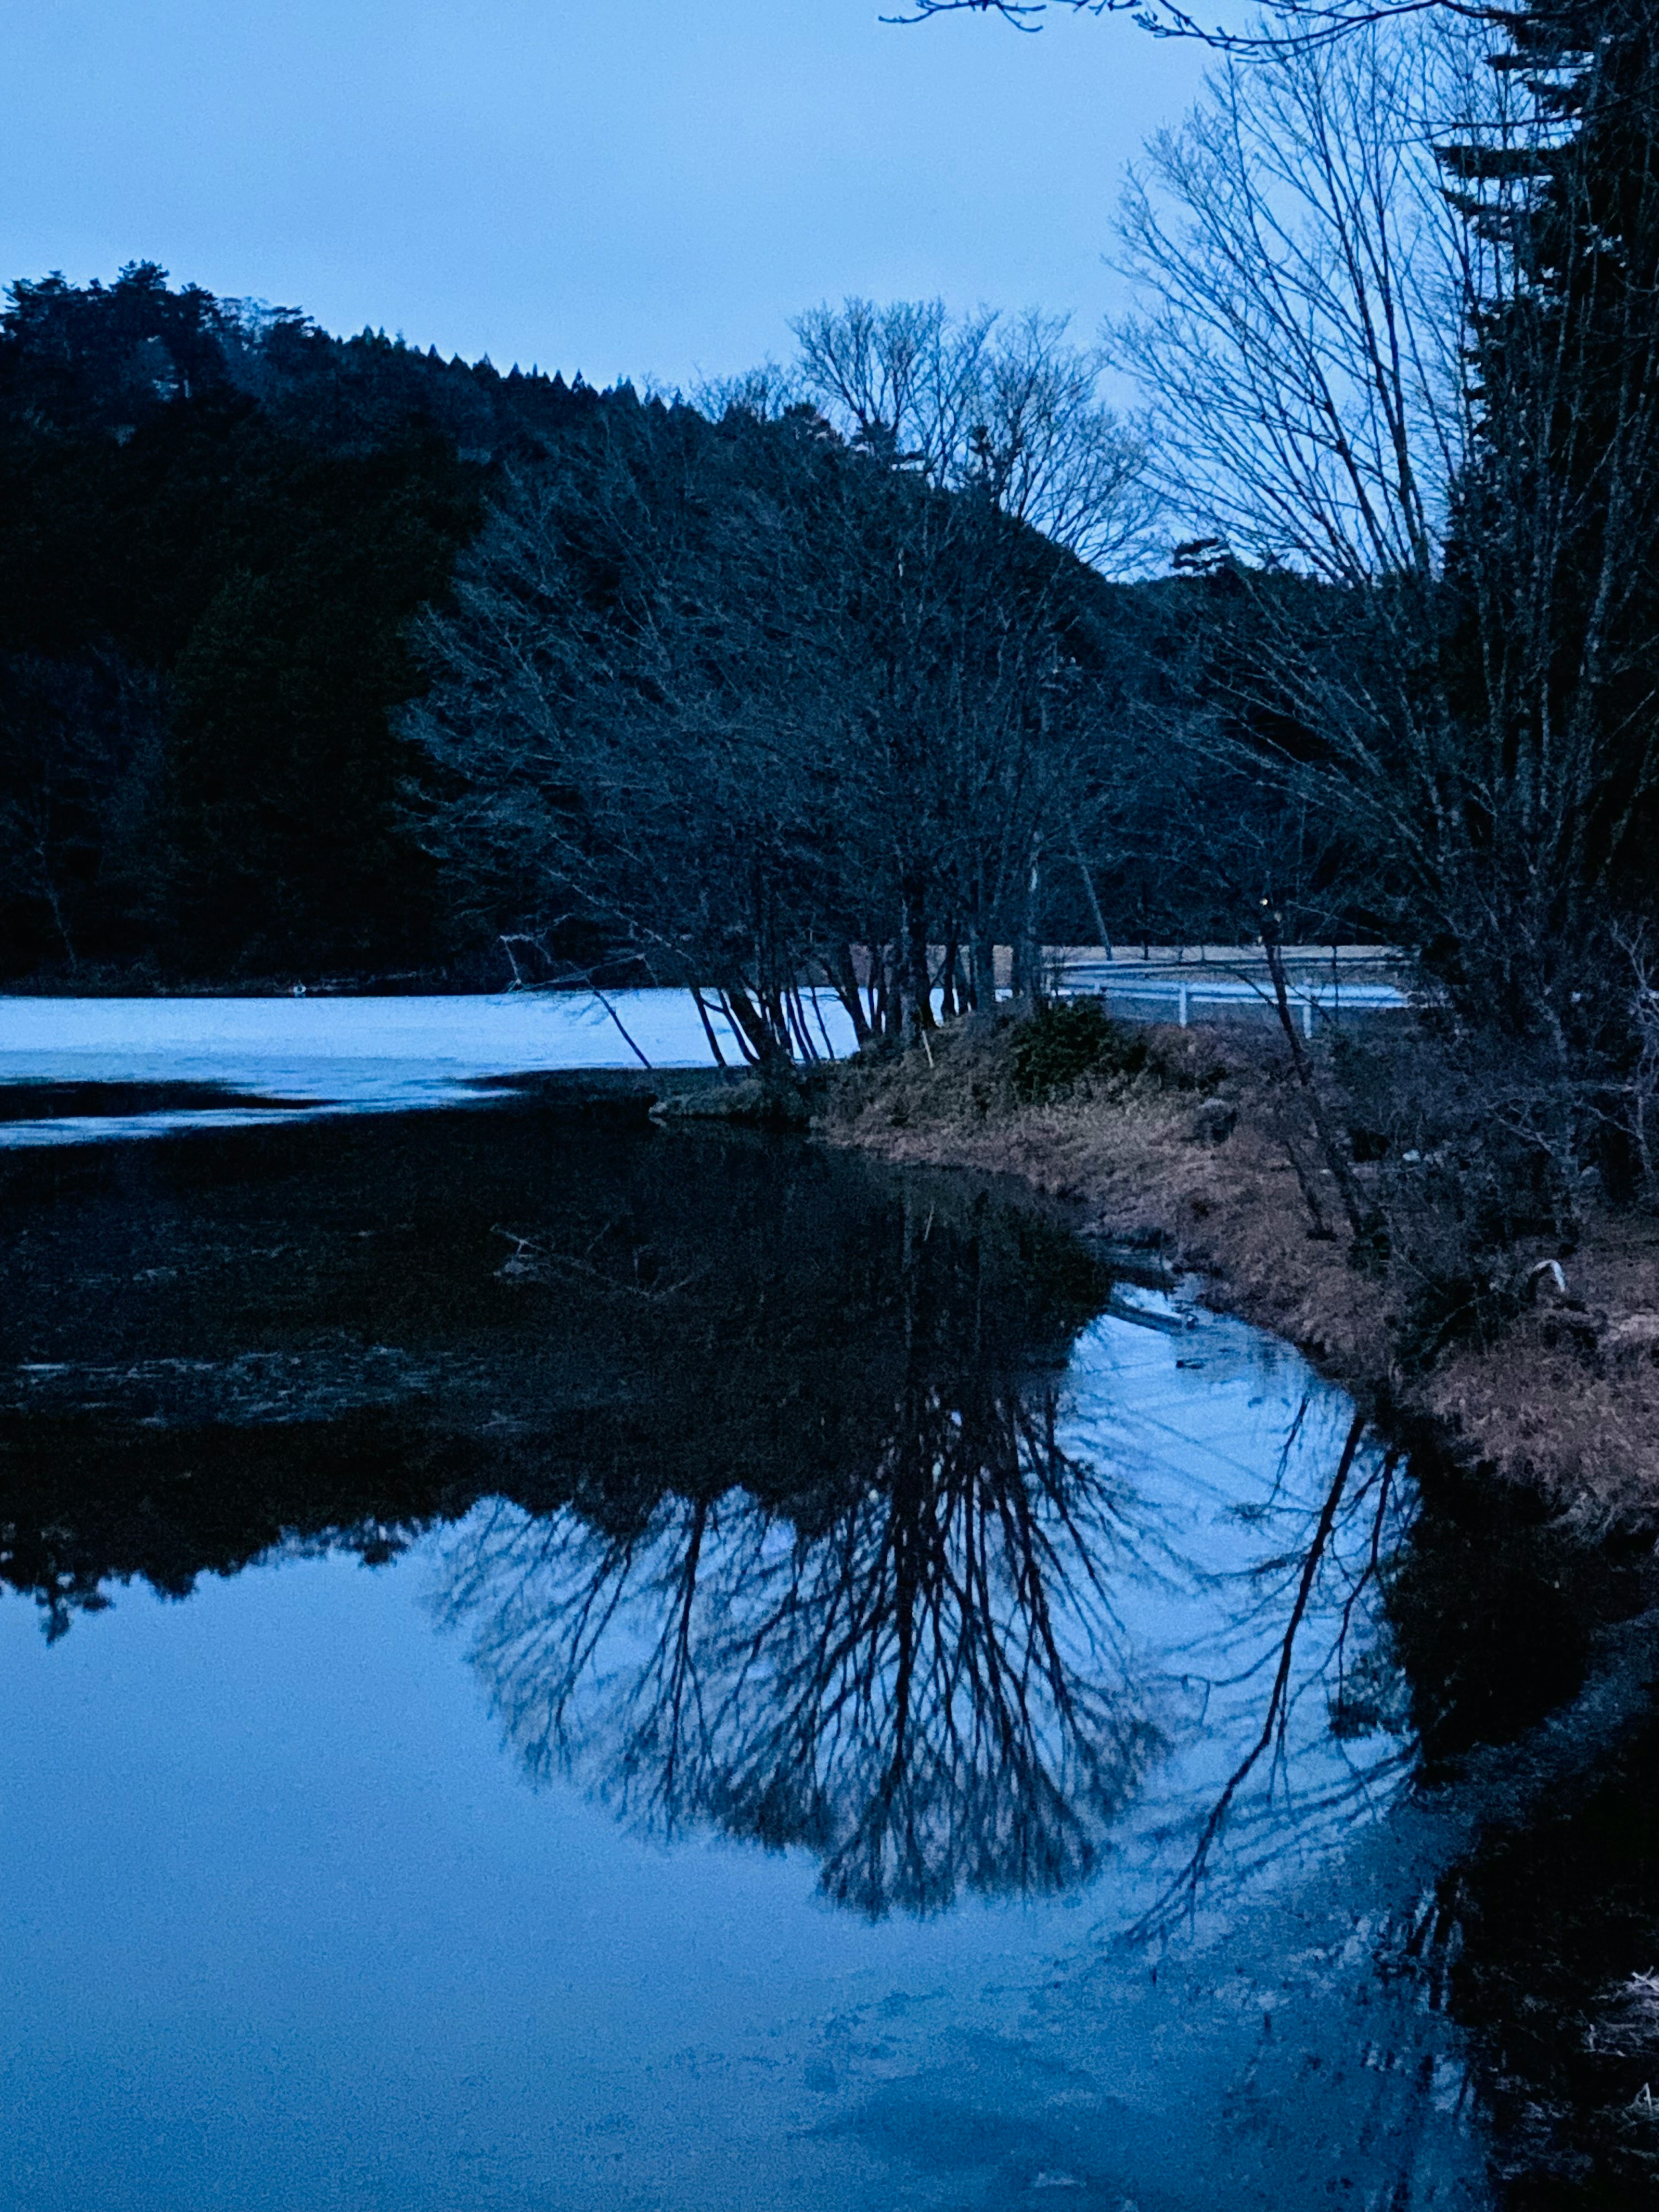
(1554, 560)
(216, 522)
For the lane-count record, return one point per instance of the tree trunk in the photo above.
(918, 992)
(1087, 874)
(1362, 1219)
(947, 983)
(844, 976)
(984, 956)
(1027, 955)
(759, 1042)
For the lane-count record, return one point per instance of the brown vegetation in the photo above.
(1195, 1147)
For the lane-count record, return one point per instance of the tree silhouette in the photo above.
(920, 1681)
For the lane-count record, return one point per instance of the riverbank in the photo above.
(1194, 1152)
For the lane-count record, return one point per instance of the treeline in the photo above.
(216, 524)
(328, 658)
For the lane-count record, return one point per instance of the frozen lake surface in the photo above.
(301, 1058)
(127, 1066)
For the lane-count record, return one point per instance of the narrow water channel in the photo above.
(551, 1664)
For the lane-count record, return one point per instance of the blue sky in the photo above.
(625, 187)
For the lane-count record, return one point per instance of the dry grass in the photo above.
(1567, 1398)
(1570, 1397)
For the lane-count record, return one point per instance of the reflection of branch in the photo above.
(1289, 1445)
(921, 1686)
(529, 1261)
(1278, 1703)
(1372, 1567)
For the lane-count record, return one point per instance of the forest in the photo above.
(251, 728)
(218, 524)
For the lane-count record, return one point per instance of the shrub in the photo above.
(1067, 1039)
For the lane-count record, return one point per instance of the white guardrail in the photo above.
(1209, 996)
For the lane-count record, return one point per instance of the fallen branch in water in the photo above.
(532, 1263)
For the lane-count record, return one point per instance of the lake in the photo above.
(554, 1664)
(75, 1071)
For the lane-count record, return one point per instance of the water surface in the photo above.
(588, 1667)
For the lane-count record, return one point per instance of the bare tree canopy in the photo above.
(1305, 288)
(1400, 337)
(1291, 23)
(729, 700)
(1007, 405)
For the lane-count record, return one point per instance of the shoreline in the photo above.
(1195, 1175)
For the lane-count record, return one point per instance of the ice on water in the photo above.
(333, 1055)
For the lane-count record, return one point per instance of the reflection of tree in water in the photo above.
(785, 1540)
(919, 1680)
(912, 1664)
(790, 1543)
(546, 1310)
(1313, 1667)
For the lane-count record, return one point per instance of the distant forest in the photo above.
(265, 593)
(218, 523)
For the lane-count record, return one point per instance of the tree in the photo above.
(81, 802)
(980, 660)
(1360, 375)
(1308, 287)
(1494, 728)
(1466, 689)
(1552, 551)
(1286, 25)
(729, 700)
(1008, 407)
(621, 722)
(287, 846)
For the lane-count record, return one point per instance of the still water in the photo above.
(549, 1664)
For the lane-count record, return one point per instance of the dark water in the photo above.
(557, 1665)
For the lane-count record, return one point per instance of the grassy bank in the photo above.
(1199, 1145)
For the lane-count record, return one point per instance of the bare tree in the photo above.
(736, 699)
(1307, 288)
(980, 685)
(1407, 344)
(1008, 406)
(1288, 24)
(633, 718)
(1489, 725)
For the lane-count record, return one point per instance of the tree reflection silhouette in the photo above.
(776, 1514)
(915, 1672)
(919, 1680)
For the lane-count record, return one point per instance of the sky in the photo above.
(625, 188)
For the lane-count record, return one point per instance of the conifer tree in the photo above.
(1552, 560)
